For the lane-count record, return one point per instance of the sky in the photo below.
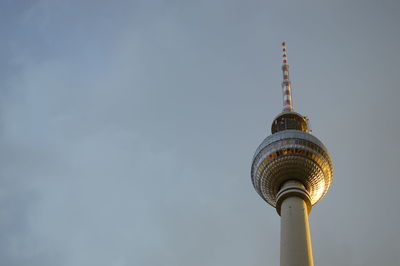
(127, 129)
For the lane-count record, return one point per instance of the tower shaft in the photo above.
(296, 247)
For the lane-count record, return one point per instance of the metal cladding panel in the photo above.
(291, 154)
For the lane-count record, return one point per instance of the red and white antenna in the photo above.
(286, 84)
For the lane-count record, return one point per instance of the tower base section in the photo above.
(295, 231)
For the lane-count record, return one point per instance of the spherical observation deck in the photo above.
(291, 153)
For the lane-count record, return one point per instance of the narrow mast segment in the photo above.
(286, 84)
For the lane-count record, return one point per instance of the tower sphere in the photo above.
(291, 153)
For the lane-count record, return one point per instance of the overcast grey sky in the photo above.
(127, 129)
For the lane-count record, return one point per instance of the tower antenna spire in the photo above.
(286, 84)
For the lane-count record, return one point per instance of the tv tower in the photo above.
(292, 171)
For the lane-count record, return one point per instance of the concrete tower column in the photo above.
(293, 205)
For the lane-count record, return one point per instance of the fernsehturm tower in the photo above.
(292, 171)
